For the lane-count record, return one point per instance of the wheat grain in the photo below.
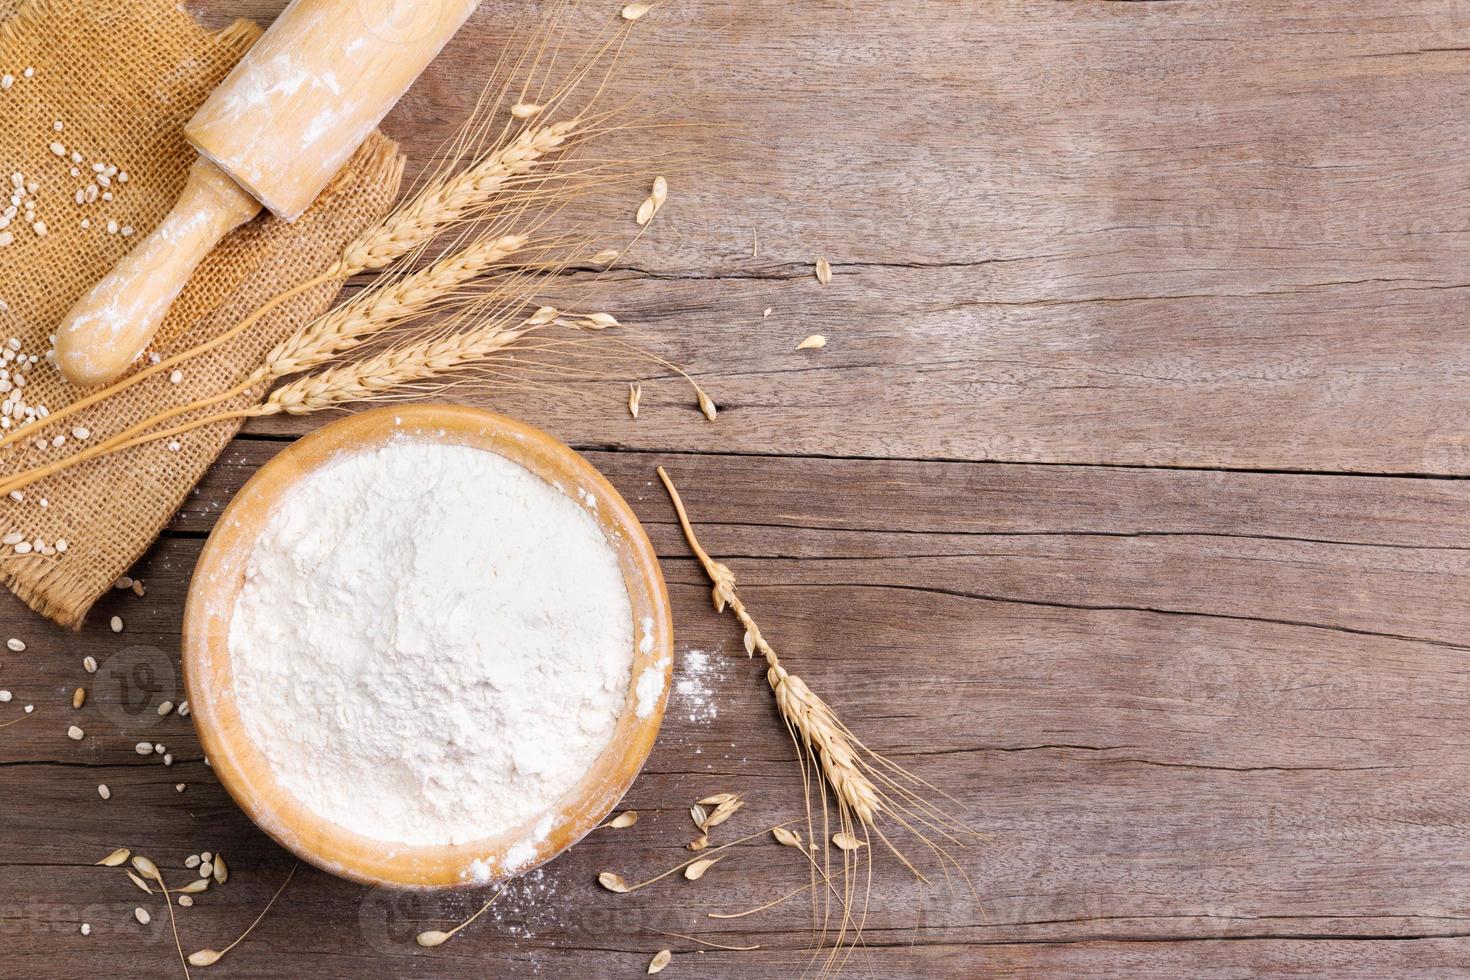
(436, 937)
(208, 957)
(696, 870)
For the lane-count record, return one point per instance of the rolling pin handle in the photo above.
(115, 321)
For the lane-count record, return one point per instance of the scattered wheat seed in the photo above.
(195, 887)
(81, 432)
(165, 708)
(86, 928)
(24, 548)
(699, 843)
(660, 959)
(186, 900)
(78, 698)
(635, 394)
(175, 376)
(117, 624)
(815, 342)
(221, 870)
(89, 664)
(766, 313)
(601, 321)
(5, 697)
(117, 857)
(605, 256)
(645, 211)
(706, 404)
(184, 708)
(75, 734)
(717, 799)
(660, 193)
(435, 937)
(141, 914)
(824, 271)
(192, 861)
(143, 748)
(15, 645)
(14, 537)
(138, 589)
(179, 787)
(61, 545)
(124, 582)
(723, 812)
(846, 841)
(696, 870)
(612, 882)
(699, 815)
(206, 868)
(204, 957)
(633, 11)
(103, 791)
(623, 820)
(525, 110)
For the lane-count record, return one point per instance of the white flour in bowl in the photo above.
(432, 643)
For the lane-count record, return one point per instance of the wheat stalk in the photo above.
(340, 330)
(811, 717)
(362, 380)
(868, 788)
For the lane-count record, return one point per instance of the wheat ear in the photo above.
(866, 785)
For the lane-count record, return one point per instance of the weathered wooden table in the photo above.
(1125, 506)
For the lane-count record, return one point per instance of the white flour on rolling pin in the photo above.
(432, 643)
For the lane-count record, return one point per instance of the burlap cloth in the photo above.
(123, 76)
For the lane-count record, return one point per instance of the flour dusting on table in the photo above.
(432, 643)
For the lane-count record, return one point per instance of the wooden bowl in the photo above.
(243, 769)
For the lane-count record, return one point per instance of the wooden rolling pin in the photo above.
(279, 127)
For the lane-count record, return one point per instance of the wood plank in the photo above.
(1157, 234)
(1212, 722)
(1198, 773)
